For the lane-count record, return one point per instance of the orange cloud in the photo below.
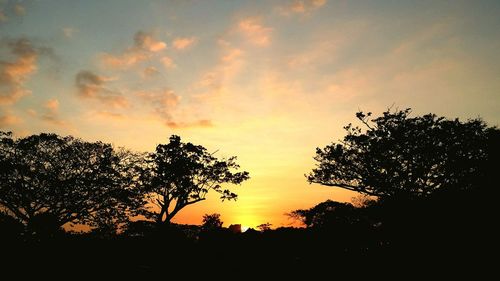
(150, 71)
(145, 45)
(183, 43)
(229, 65)
(8, 119)
(166, 104)
(168, 62)
(93, 86)
(203, 123)
(146, 41)
(51, 114)
(301, 7)
(255, 32)
(14, 73)
(111, 115)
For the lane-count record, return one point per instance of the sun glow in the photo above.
(244, 228)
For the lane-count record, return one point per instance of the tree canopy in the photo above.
(211, 221)
(179, 174)
(399, 155)
(65, 179)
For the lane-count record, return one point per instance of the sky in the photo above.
(266, 81)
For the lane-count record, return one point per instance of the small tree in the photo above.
(399, 155)
(212, 221)
(264, 227)
(180, 174)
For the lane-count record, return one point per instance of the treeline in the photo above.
(428, 195)
(48, 181)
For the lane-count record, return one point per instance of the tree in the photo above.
(401, 156)
(66, 180)
(212, 221)
(264, 227)
(326, 214)
(181, 174)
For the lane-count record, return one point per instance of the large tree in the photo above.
(66, 179)
(399, 155)
(179, 174)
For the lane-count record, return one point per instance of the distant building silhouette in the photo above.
(235, 228)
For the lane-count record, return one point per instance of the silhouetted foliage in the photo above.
(328, 213)
(64, 179)
(10, 228)
(403, 156)
(180, 174)
(211, 221)
(264, 227)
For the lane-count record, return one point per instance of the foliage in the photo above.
(211, 221)
(179, 174)
(326, 214)
(65, 179)
(403, 156)
(264, 227)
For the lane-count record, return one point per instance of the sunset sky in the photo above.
(267, 81)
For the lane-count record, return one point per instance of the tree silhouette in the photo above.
(47, 177)
(264, 226)
(180, 174)
(328, 213)
(403, 156)
(211, 221)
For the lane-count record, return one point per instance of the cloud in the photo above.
(255, 32)
(229, 66)
(3, 16)
(8, 119)
(93, 86)
(204, 123)
(14, 73)
(304, 7)
(145, 41)
(168, 62)
(124, 60)
(69, 32)
(150, 71)
(110, 115)
(51, 113)
(183, 43)
(19, 10)
(166, 104)
(145, 46)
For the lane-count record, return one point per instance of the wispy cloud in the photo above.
(19, 10)
(8, 119)
(204, 123)
(167, 62)
(229, 65)
(3, 16)
(165, 104)
(183, 43)
(255, 31)
(93, 86)
(14, 73)
(145, 45)
(303, 7)
(150, 71)
(69, 32)
(7, 10)
(51, 114)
